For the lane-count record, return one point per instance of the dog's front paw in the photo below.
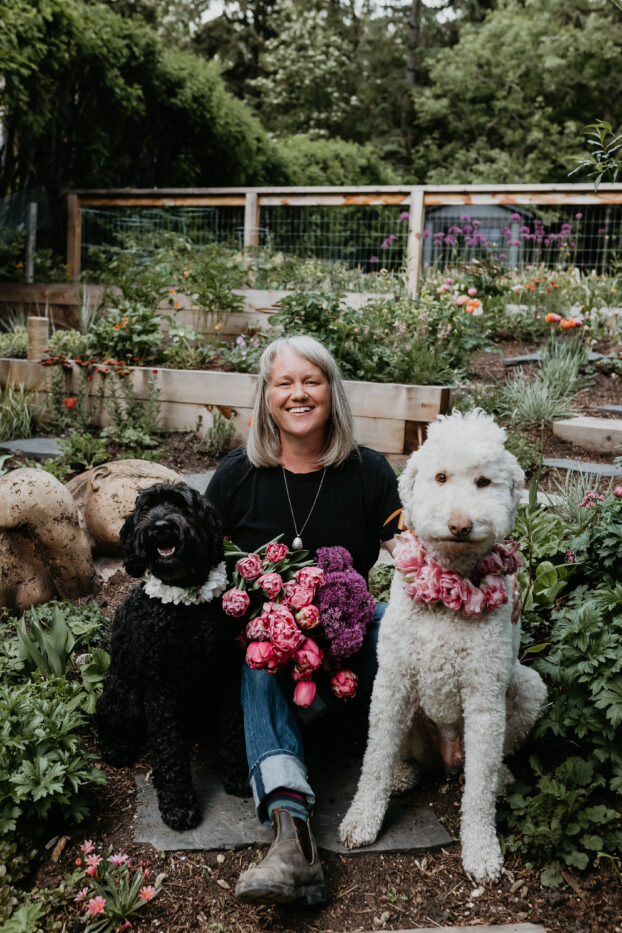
(360, 826)
(179, 811)
(482, 859)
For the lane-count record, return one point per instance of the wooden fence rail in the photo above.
(414, 198)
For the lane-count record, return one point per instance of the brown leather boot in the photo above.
(290, 872)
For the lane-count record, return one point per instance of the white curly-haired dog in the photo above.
(450, 688)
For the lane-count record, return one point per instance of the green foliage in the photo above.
(44, 767)
(81, 452)
(282, 270)
(129, 333)
(218, 436)
(14, 343)
(63, 411)
(605, 158)
(560, 821)
(526, 399)
(132, 421)
(379, 583)
(14, 864)
(333, 161)
(46, 648)
(526, 452)
(16, 418)
(68, 343)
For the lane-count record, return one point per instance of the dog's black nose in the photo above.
(161, 530)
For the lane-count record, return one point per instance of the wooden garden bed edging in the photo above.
(61, 302)
(389, 417)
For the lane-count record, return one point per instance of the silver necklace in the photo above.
(297, 542)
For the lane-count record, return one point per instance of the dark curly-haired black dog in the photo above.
(173, 659)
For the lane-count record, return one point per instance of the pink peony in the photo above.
(308, 656)
(260, 655)
(271, 584)
(304, 693)
(308, 617)
(285, 635)
(509, 554)
(249, 567)
(257, 629)
(428, 584)
(312, 577)
(408, 555)
(96, 905)
(301, 596)
(235, 602)
(343, 684)
(493, 589)
(276, 552)
(453, 590)
(288, 589)
(474, 603)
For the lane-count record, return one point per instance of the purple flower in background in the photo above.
(579, 215)
(514, 243)
(502, 256)
(515, 216)
(524, 230)
(374, 259)
(454, 230)
(468, 240)
(477, 223)
(505, 231)
(547, 241)
(602, 230)
(465, 217)
(449, 240)
(391, 238)
(572, 243)
(385, 245)
(426, 234)
(467, 228)
(405, 215)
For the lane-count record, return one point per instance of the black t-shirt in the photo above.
(355, 501)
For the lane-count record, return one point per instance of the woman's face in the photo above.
(299, 397)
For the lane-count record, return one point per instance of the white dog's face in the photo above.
(461, 489)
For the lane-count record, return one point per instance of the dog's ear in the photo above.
(135, 564)
(213, 528)
(406, 483)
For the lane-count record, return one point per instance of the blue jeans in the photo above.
(274, 745)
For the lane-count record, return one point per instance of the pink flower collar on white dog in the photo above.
(425, 581)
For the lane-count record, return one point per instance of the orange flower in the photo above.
(117, 326)
(530, 286)
(217, 326)
(565, 324)
(171, 291)
(177, 306)
(70, 402)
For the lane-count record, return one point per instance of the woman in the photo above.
(301, 475)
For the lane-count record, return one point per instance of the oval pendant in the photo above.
(297, 544)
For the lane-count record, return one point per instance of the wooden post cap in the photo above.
(38, 337)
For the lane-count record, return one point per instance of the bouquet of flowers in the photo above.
(286, 596)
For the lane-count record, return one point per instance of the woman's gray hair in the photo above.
(264, 440)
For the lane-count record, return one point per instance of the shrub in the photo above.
(81, 452)
(128, 333)
(16, 418)
(14, 343)
(218, 436)
(528, 400)
(68, 343)
(526, 452)
(132, 420)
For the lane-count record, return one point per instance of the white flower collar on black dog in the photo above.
(188, 595)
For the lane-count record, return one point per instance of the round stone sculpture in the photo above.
(106, 495)
(44, 553)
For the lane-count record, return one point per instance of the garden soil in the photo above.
(366, 892)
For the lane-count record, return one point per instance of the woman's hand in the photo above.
(516, 599)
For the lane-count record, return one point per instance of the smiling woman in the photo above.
(301, 476)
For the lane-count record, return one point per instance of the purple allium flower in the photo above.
(404, 215)
(454, 229)
(426, 234)
(524, 230)
(505, 231)
(602, 230)
(385, 245)
(572, 243)
(346, 607)
(468, 240)
(477, 223)
(547, 240)
(515, 216)
(449, 240)
(465, 217)
(374, 259)
(579, 215)
(467, 228)
(502, 256)
(392, 237)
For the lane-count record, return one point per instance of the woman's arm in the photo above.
(389, 545)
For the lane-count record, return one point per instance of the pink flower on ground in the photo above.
(249, 567)
(271, 584)
(312, 577)
(308, 617)
(87, 846)
(453, 590)
(301, 596)
(276, 552)
(493, 589)
(93, 860)
(461, 300)
(147, 892)
(235, 602)
(91, 871)
(260, 655)
(343, 684)
(117, 859)
(257, 629)
(408, 555)
(96, 905)
(472, 292)
(618, 492)
(285, 635)
(80, 896)
(308, 656)
(304, 693)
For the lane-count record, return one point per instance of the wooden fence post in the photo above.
(38, 337)
(31, 245)
(74, 236)
(251, 227)
(416, 219)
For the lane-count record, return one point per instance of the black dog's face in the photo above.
(173, 533)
